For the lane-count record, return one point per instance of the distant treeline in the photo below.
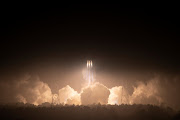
(46, 111)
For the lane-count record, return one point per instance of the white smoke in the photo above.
(95, 93)
(74, 100)
(20, 98)
(27, 90)
(85, 74)
(30, 89)
(115, 96)
(68, 95)
(146, 93)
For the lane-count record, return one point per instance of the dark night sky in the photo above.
(115, 37)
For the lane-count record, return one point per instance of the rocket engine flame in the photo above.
(89, 64)
(90, 72)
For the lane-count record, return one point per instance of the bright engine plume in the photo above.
(90, 71)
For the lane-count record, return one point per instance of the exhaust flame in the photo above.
(89, 72)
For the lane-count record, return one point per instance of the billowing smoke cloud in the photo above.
(96, 93)
(146, 93)
(153, 91)
(30, 89)
(159, 90)
(76, 100)
(35, 92)
(118, 95)
(68, 95)
(27, 90)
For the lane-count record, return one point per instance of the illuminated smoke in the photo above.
(20, 98)
(146, 93)
(55, 99)
(68, 95)
(85, 76)
(95, 93)
(33, 91)
(76, 100)
(143, 94)
(115, 96)
(118, 95)
(28, 89)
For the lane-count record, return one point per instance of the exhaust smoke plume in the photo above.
(96, 93)
(68, 95)
(30, 89)
(118, 95)
(146, 93)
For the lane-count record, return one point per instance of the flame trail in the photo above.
(90, 72)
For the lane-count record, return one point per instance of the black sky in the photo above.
(136, 38)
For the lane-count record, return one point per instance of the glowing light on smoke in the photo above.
(32, 90)
(68, 95)
(95, 93)
(146, 93)
(115, 96)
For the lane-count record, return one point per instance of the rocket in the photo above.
(90, 71)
